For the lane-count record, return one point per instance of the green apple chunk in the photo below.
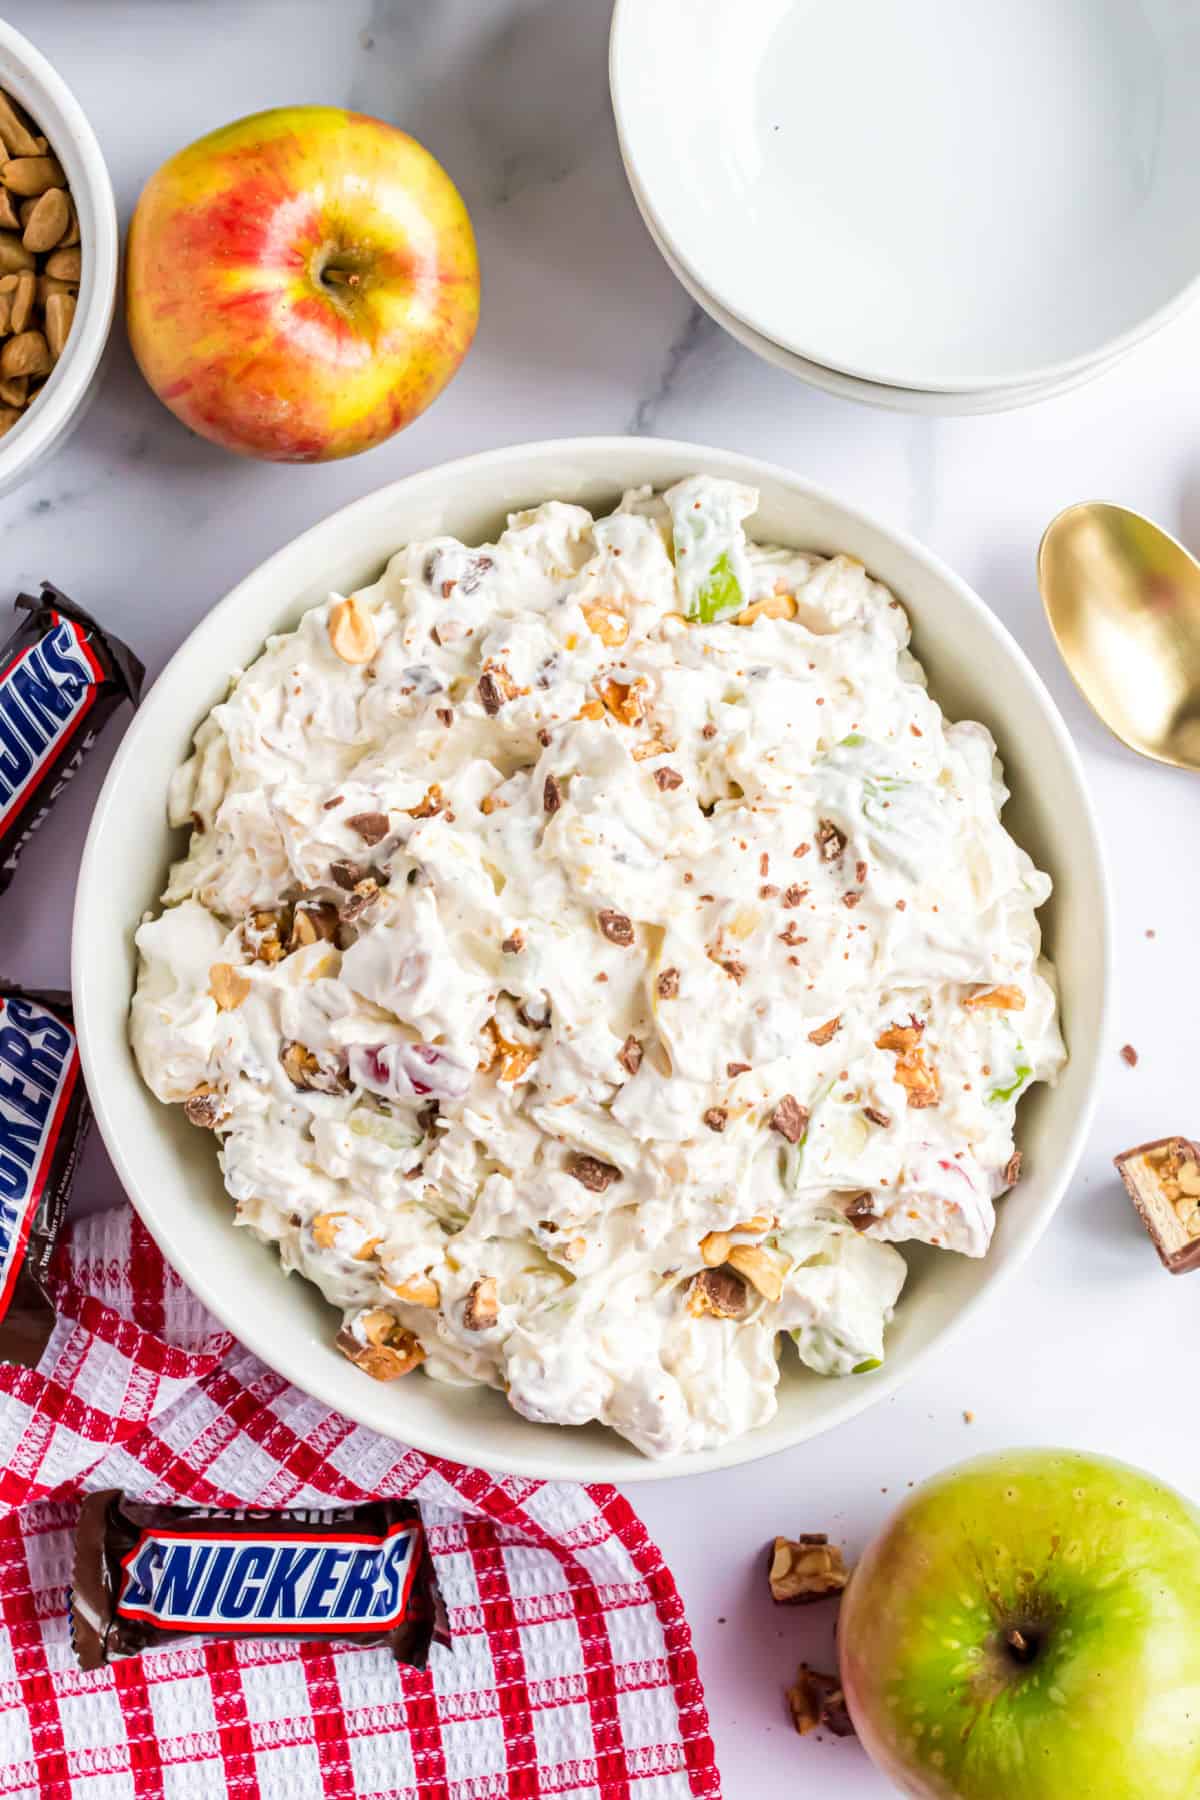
(1027, 1627)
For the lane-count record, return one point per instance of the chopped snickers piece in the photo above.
(590, 1172)
(790, 1119)
(861, 1211)
(801, 1570)
(617, 927)
(831, 843)
(371, 827)
(720, 1293)
(1163, 1180)
(814, 1700)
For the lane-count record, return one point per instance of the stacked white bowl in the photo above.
(932, 205)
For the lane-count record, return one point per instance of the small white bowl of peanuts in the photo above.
(59, 250)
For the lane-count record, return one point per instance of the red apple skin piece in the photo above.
(1097, 1565)
(301, 284)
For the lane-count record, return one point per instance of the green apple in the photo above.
(1027, 1627)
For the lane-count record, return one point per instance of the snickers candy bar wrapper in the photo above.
(61, 677)
(44, 1115)
(148, 1575)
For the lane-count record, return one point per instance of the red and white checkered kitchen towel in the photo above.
(571, 1673)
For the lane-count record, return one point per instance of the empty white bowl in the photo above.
(58, 116)
(939, 194)
(852, 387)
(170, 1169)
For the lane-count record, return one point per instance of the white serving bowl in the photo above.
(170, 1169)
(969, 403)
(58, 116)
(940, 194)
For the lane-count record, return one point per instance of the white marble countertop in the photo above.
(584, 330)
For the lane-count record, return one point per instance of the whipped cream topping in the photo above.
(594, 953)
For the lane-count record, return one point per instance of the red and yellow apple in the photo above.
(1027, 1627)
(301, 284)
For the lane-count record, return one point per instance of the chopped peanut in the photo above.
(515, 1058)
(760, 1268)
(417, 1290)
(389, 1351)
(606, 622)
(714, 1248)
(775, 606)
(1003, 999)
(227, 986)
(352, 634)
(624, 702)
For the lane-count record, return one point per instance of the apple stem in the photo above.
(1019, 1644)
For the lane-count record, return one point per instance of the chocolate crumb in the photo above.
(666, 779)
(543, 737)
(877, 1116)
(860, 872)
(204, 1109)
(590, 1172)
(445, 715)
(345, 875)
(490, 697)
(851, 899)
(861, 1211)
(824, 1034)
(330, 804)
(630, 1055)
(1012, 1169)
(789, 1119)
(617, 927)
(709, 731)
(831, 843)
(512, 946)
(1129, 1055)
(551, 794)
(733, 1070)
(667, 985)
(715, 1118)
(372, 827)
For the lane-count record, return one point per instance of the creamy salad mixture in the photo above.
(594, 954)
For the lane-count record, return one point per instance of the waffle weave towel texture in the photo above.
(571, 1671)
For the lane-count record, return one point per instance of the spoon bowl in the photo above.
(1123, 600)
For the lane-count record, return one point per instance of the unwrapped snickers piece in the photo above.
(149, 1575)
(1163, 1178)
(61, 677)
(44, 1115)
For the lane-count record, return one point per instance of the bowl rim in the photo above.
(618, 1465)
(82, 158)
(914, 381)
(927, 402)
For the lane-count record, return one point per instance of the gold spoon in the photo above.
(1123, 601)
